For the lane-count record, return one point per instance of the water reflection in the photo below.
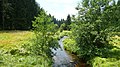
(62, 58)
(65, 59)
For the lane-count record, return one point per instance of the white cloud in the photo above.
(59, 8)
(60, 1)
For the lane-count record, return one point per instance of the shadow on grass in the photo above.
(109, 52)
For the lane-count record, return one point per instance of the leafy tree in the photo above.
(92, 26)
(44, 30)
(62, 27)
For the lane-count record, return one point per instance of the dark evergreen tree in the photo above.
(118, 3)
(18, 14)
(68, 22)
(0, 14)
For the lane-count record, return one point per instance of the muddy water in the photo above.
(64, 58)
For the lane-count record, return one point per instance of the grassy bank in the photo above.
(13, 53)
(109, 56)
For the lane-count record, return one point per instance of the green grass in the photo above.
(14, 39)
(14, 54)
(70, 45)
(63, 33)
(109, 56)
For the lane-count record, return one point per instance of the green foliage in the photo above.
(64, 24)
(14, 50)
(109, 55)
(68, 22)
(62, 27)
(91, 28)
(88, 40)
(18, 14)
(44, 30)
(70, 45)
(105, 62)
(23, 61)
(64, 33)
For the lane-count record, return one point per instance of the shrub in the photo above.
(70, 45)
(105, 62)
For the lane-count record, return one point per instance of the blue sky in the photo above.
(59, 8)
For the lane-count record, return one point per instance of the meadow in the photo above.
(13, 52)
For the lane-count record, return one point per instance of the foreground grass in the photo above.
(14, 39)
(14, 54)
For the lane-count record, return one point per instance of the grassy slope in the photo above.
(12, 54)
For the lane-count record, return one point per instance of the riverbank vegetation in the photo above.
(92, 36)
(103, 57)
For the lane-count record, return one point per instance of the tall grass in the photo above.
(13, 53)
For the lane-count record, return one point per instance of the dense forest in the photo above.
(18, 14)
(93, 35)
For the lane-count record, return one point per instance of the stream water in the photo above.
(65, 59)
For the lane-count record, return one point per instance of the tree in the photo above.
(25, 10)
(4, 5)
(92, 26)
(118, 3)
(68, 22)
(18, 14)
(0, 14)
(44, 30)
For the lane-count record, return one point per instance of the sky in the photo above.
(59, 8)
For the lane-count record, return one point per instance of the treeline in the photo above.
(63, 24)
(17, 14)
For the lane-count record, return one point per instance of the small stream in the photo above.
(65, 59)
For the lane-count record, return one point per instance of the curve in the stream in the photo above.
(62, 59)
(66, 59)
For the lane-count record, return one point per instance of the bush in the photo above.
(70, 45)
(65, 33)
(105, 62)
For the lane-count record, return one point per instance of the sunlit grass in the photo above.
(13, 54)
(14, 39)
(111, 58)
(108, 56)
(116, 40)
